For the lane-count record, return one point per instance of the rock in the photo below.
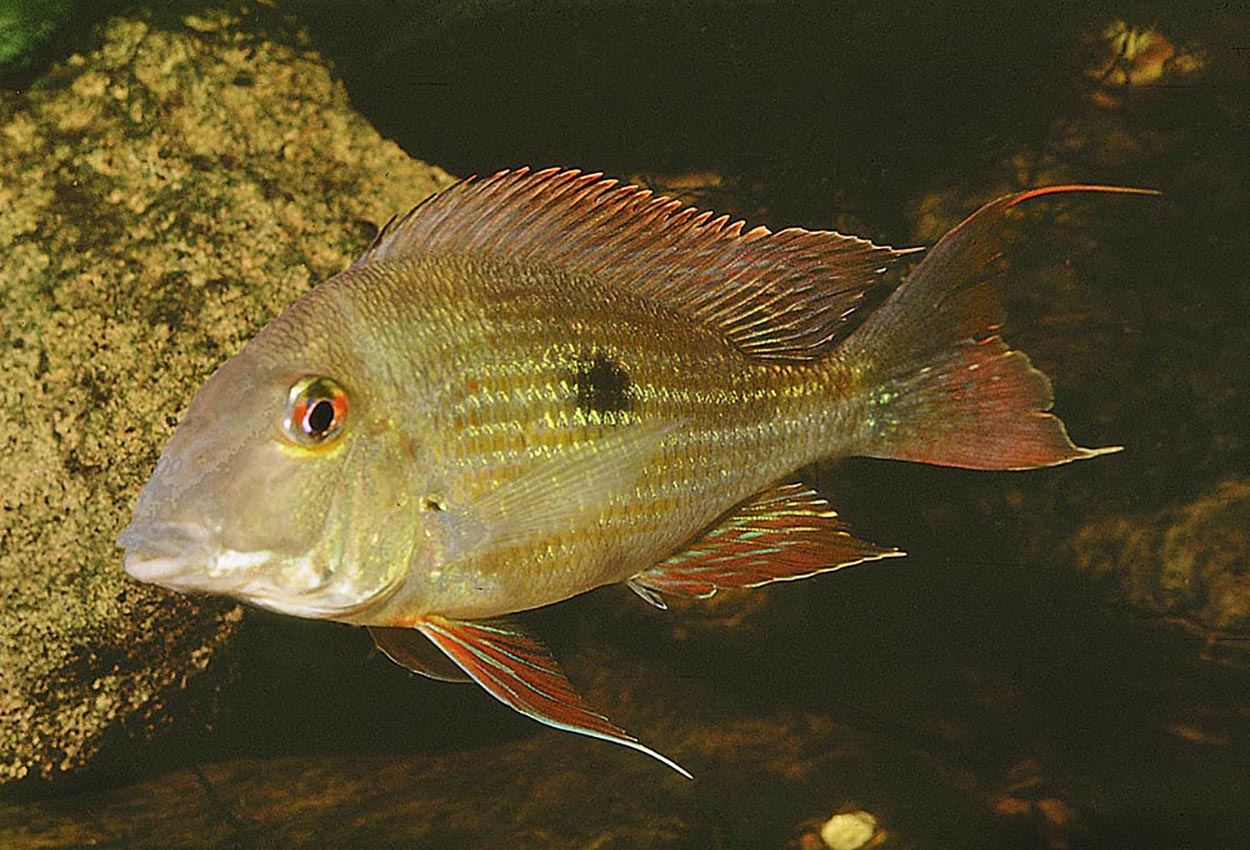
(849, 830)
(1189, 562)
(161, 198)
(531, 789)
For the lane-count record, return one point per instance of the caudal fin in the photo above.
(943, 386)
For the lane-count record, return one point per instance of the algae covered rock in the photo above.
(161, 197)
(1189, 562)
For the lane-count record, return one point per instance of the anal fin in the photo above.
(518, 670)
(651, 597)
(783, 533)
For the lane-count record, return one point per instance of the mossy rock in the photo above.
(162, 196)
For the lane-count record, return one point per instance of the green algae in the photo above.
(25, 25)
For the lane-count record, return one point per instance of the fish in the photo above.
(542, 382)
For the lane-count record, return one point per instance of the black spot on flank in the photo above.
(602, 385)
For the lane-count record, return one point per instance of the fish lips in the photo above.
(166, 553)
(183, 556)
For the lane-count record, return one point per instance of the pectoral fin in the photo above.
(556, 494)
(519, 671)
(783, 533)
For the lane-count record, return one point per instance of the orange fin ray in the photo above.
(784, 533)
(518, 670)
(789, 295)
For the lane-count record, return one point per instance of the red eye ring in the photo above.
(316, 410)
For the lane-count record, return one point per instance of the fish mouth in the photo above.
(183, 556)
(162, 552)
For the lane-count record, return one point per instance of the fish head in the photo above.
(283, 485)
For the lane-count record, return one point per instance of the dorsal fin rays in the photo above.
(788, 295)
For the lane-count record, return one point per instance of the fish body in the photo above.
(645, 425)
(541, 383)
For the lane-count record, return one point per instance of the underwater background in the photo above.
(1062, 660)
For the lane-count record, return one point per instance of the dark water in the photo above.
(982, 692)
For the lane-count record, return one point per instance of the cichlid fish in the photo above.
(536, 384)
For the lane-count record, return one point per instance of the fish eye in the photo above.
(316, 409)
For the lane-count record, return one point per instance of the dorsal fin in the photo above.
(789, 295)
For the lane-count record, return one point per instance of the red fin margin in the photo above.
(1029, 194)
(982, 406)
(784, 533)
(518, 670)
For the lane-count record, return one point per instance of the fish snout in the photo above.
(161, 552)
